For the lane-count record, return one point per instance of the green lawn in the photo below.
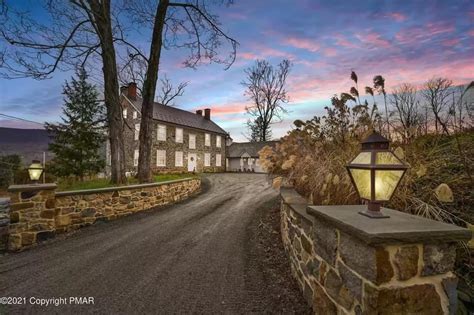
(103, 183)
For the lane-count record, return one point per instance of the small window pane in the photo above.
(362, 182)
(161, 133)
(124, 113)
(218, 141)
(387, 158)
(135, 114)
(207, 159)
(218, 160)
(207, 140)
(179, 158)
(385, 183)
(135, 158)
(192, 141)
(362, 158)
(179, 135)
(160, 158)
(137, 131)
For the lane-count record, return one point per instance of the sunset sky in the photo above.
(405, 41)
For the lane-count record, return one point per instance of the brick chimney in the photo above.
(132, 91)
(207, 113)
(199, 112)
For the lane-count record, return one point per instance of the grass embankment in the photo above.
(104, 182)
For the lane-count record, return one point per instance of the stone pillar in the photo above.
(32, 214)
(348, 263)
(4, 222)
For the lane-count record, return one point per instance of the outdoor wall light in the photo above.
(35, 170)
(376, 173)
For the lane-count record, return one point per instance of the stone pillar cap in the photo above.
(32, 187)
(399, 228)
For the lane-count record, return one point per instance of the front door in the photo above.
(191, 162)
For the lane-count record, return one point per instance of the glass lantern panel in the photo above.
(35, 173)
(362, 158)
(385, 183)
(362, 181)
(384, 158)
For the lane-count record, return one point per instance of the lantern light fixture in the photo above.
(35, 170)
(375, 173)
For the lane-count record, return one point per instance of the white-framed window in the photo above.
(192, 141)
(124, 113)
(135, 114)
(178, 158)
(218, 141)
(218, 160)
(207, 159)
(137, 131)
(179, 135)
(161, 133)
(207, 139)
(160, 157)
(135, 157)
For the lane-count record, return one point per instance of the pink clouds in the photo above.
(399, 17)
(417, 34)
(330, 52)
(451, 42)
(373, 39)
(342, 41)
(302, 43)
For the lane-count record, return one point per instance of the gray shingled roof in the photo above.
(235, 150)
(181, 117)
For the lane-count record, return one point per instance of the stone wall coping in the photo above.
(295, 201)
(398, 228)
(32, 187)
(119, 188)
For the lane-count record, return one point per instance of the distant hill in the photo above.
(28, 143)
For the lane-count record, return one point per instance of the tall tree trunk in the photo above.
(149, 86)
(103, 24)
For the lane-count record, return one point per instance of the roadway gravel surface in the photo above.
(214, 253)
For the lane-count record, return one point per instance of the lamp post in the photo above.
(376, 172)
(35, 170)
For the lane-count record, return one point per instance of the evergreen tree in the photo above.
(257, 132)
(78, 139)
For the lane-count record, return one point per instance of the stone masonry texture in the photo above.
(171, 146)
(340, 274)
(40, 215)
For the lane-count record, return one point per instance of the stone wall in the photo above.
(38, 212)
(346, 264)
(4, 222)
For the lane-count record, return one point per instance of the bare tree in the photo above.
(134, 70)
(180, 25)
(76, 32)
(437, 92)
(265, 87)
(168, 93)
(406, 116)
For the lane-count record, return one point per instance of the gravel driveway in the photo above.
(193, 257)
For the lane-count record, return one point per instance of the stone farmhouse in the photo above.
(243, 157)
(182, 142)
